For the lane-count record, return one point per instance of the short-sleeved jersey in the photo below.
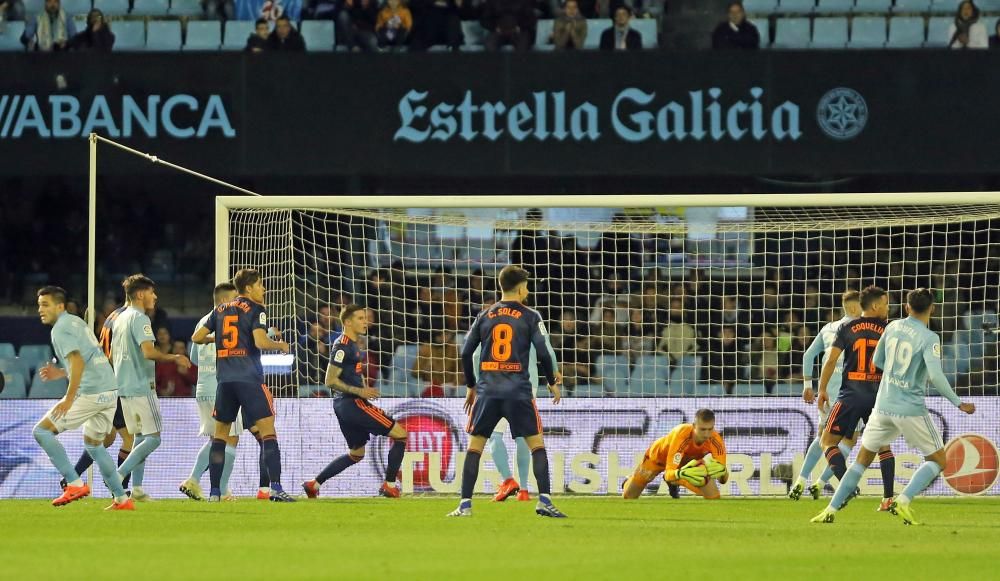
(507, 331)
(678, 448)
(136, 374)
(106, 329)
(346, 356)
(821, 344)
(71, 334)
(858, 340)
(204, 357)
(909, 354)
(236, 353)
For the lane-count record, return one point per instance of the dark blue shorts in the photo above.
(520, 413)
(850, 409)
(360, 419)
(119, 421)
(254, 398)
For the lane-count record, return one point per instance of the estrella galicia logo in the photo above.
(842, 113)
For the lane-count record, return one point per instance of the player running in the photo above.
(240, 333)
(822, 344)
(691, 455)
(89, 400)
(507, 331)
(357, 417)
(909, 354)
(134, 356)
(857, 341)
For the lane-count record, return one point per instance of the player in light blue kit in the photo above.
(909, 354)
(89, 401)
(821, 345)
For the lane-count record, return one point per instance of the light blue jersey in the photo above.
(204, 357)
(821, 345)
(70, 334)
(909, 354)
(136, 374)
(532, 363)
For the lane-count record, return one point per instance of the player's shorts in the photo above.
(142, 414)
(119, 421)
(825, 416)
(848, 413)
(253, 398)
(918, 431)
(503, 425)
(359, 419)
(520, 413)
(95, 412)
(207, 427)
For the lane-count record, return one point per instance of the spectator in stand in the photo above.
(737, 32)
(724, 363)
(285, 37)
(170, 380)
(49, 31)
(641, 337)
(609, 337)
(258, 40)
(314, 355)
(163, 342)
(569, 31)
(510, 22)
(73, 308)
(11, 10)
(219, 9)
(967, 31)
(438, 365)
(765, 360)
(437, 22)
(995, 39)
(678, 337)
(356, 25)
(97, 37)
(393, 25)
(571, 342)
(621, 36)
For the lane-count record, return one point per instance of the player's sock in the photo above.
(83, 463)
(837, 462)
(122, 457)
(523, 462)
(57, 454)
(921, 479)
(201, 462)
(99, 455)
(395, 460)
(337, 466)
(272, 457)
(264, 484)
(227, 468)
(499, 452)
(540, 459)
(813, 453)
(216, 463)
(136, 462)
(847, 485)
(887, 464)
(470, 473)
(825, 476)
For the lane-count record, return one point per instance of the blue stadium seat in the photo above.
(829, 32)
(15, 386)
(943, 7)
(10, 40)
(475, 35)
(163, 36)
(35, 356)
(74, 7)
(915, 6)
(791, 33)
(963, 358)
(872, 6)
(319, 35)
(237, 33)
(129, 35)
(543, 34)
(595, 28)
(399, 372)
(314, 391)
(796, 6)
(203, 35)
(33, 6)
(14, 365)
(787, 389)
(753, 389)
(702, 389)
(150, 8)
(614, 370)
(867, 32)
(113, 8)
(937, 32)
(686, 374)
(764, 29)
(760, 6)
(835, 6)
(186, 8)
(7, 349)
(646, 27)
(906, 32)
(588, 390)
(47, 389)
(650, 376)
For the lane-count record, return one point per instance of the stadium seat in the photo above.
(867, 32)
(829, 32)
(399, 373)
(129, 35)
(314, 391)
(588, 390)
(203, 35)
(33, 6)
(835, 6)
(186, 8)
(595, 28)
(796, 6)
(764, 29)
(787, 389)
(791, 33)
(963, 358)
(47, 389)
(475, 35)
(760, 6)
(703, 389)
(650, 376)
(937, 32)
(319, 35)
(906, 32)
(74, 7)
(113, 8)
(913, 6)
(943, 7)
(35, 356)
(236, 34)
(6, 349)
(646, 27)
(686, 374)
(150, 8)
(15, 386)
(15, 366)
(10, 40)
(753, 389)
(163, 36)
(872, 6)
(613, 369)
(543, 34)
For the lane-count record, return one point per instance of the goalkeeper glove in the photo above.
(694, 473)
(715, 469)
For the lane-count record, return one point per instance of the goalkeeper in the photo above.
(691, 455)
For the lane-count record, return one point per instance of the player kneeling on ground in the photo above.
(691, 455)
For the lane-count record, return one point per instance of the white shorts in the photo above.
(918, 431)
(95, 412)
(205, 406)
(142, 414)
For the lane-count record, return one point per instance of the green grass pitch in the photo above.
(410, 538)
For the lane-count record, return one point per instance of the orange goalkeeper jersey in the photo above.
(677, 448)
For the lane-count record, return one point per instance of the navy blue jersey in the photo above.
(236, 352)
(858, 339)
(346, 356)
(507, 332)
(106, 329)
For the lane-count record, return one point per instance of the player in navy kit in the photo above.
(507, 332)
(240, 329)
(358, 418)
(856, 340)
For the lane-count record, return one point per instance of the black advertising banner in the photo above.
(542, 114)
